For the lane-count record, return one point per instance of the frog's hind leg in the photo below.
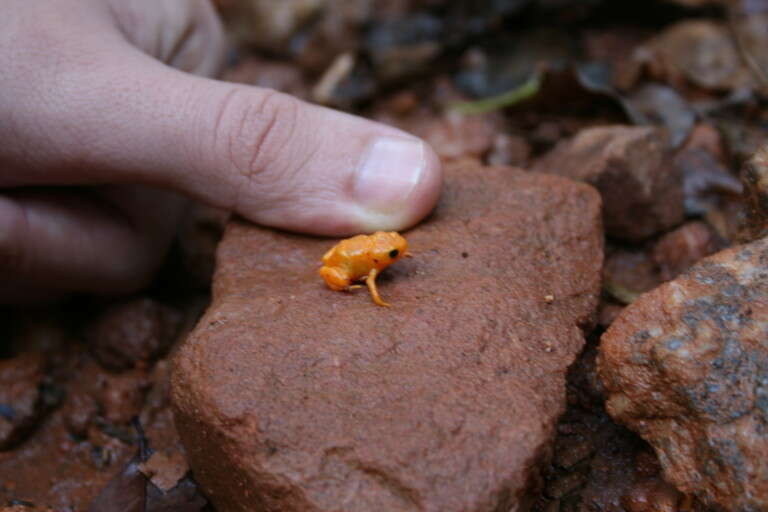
(371, 282)
(335, 279)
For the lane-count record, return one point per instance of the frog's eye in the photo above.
(393, 253)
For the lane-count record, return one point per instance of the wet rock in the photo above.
(22, 400)
(677, 250)
(754, 176)
(686, 366)
(632, 169)
(132, 333)
(289, 396)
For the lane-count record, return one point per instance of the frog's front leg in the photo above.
(371, 282)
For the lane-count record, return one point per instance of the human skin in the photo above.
(108, 119)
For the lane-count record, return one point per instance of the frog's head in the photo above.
(388, 247)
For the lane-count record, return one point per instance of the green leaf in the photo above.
(503, 100)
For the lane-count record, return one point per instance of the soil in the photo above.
(85, 399)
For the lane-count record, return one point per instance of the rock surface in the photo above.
(632, 169)
(22, 401)
(289, 396)
(677, 250)
(686, 366)
(132, 333)
(754, 176)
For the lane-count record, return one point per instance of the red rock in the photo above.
(457, 136)
(454, 136)
(289, 396)
(132, 333)
(676, 251)
(608, 313)
(632, 169)
(21, 400)
(402, 103)
(686, 366)
(754, 176)
(705, 137)
(629, 273)
(651, 495)
(122, 396)
(509, 150)
(700, 52)
(79, 412)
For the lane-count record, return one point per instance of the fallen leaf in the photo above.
(165, 470)
(656, 104)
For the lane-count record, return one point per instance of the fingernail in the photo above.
(388, 173)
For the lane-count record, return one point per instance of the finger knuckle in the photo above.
(252, 129)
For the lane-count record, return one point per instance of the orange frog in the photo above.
(362, 258)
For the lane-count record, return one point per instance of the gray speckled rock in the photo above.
(686, 366)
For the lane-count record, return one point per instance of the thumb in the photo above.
(293, 165)
(265, 155)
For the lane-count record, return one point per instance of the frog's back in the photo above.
(347, 252)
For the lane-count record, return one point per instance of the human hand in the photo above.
(105, 114)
